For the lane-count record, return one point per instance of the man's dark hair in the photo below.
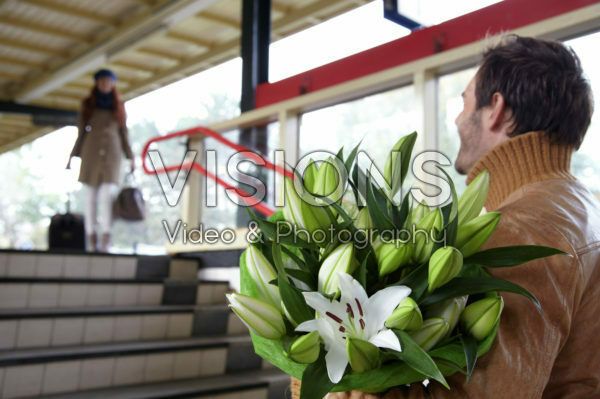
(542, 84)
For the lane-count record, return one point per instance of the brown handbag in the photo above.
(129, 204)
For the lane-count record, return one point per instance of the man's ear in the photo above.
(499, 114)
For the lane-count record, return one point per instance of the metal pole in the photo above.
(255, 41)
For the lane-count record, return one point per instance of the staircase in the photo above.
(124, 327)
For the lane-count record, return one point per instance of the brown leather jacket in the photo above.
(554, 354)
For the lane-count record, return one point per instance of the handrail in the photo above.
(244, 151)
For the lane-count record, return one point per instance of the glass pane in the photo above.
(449, 106)
(433, 12)
(349, 33)
(226, 213)
(585, 164)
(378, 120)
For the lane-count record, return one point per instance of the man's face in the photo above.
(469, 126)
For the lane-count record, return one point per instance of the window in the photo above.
(379, 120)
(585, 164)
(227, 213)
(347, 34)
(449, 106)
(433, 12)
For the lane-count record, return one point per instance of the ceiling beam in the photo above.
(189, 39)
(133, 66)
(11, 76)
(46, 30)
(108, 48)
(49, 116)
(159, 53)
(79, 13)
(219, 19)
(282, 8)
(35, 48)
(20, 62)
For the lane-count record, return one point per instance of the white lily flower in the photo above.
(355, 315)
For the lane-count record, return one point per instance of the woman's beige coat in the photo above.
(100, 145)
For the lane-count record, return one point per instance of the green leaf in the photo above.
(340, 154)
(400, 168)
(460, 286)
(445, 365)
(352, 157)
(362, 271)
(417, 358)
(315, 381)
(306, 266)
(454, 352)
(470, 347)
(404, 211)
(451, 224)
(291, 296)
(417, 281)
(511, 255)
(307, 278)
(271, 232)
(380, 219)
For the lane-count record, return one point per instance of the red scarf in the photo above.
(118, 109)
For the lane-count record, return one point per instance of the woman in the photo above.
(101, 140)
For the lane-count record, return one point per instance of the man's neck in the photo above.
(524, 159)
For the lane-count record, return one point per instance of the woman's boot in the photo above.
(105, 242)
(92, 242)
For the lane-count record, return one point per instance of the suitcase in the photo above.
(67, 231)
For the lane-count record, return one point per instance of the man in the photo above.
(525, 112)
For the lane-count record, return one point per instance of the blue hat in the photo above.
(103, 73)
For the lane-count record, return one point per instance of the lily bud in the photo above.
(472, 200)
(350, 208)
(306, 349)
(301, 213)
(391, 160)
(363, 220)
(407, 316)
(472, 235)
(449, 310)
(310, 175)
(262, 272)
(362, 355)
(288, 316)
(340, 260)
(479, 318)
(444, 265)
(391, 256)
(419, 212)
(422, 235)
(432, 331)
(328, 181)
(260, 317)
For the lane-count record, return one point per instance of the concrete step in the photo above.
(46, 371)
(256, 384)
(56, 264)
(17, 292)
(54, 327)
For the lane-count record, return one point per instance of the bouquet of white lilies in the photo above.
(373, 293)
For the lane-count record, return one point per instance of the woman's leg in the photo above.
(106, 196)
(91, 216)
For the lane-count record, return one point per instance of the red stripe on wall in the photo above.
(468, 28)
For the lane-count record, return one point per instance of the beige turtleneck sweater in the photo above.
(524, 159)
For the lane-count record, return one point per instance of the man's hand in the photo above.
(351, 395)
